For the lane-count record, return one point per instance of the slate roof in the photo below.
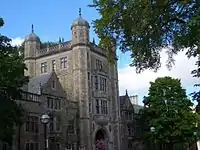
(122, 99)
(32, 37)
(35, 83)
(135, 107)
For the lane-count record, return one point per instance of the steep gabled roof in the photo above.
(35, 83)
(123, 99)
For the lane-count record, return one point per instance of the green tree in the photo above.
(145, 27)
(11, 79)
(170, 112)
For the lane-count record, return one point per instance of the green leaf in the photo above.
(11, 79)
(168, 109)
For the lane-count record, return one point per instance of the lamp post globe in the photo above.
(152, 129)
(45, 119)
(195, 133)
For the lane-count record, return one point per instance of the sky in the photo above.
(52, 19)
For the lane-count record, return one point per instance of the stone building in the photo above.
(87, 80)
(130, 124)
(44, 94)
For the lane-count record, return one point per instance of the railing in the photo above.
(48, 50)
(29, 97)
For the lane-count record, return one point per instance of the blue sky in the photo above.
(52, 19)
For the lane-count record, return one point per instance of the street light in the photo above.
(152, 129)
(195, 133)
(45, 120)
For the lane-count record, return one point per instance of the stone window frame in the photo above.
(53, 64)
(53, 103)
(103, 84)
(71, 125)
(63, 62)
(32, 121)
(102, 106)
(53, 84)
(43, 67)
(4, 146)
(58, 122)
(99, 64)
(32, 142)
(96, 82)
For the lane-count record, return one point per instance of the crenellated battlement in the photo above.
(58, 47)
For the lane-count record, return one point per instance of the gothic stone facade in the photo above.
(130, 124)
(86, 77)
(44, 94)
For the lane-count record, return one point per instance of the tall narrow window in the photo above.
(54, 64)
(32, 124)
(57, 103)
(32, 146)
(57, 146)
(99, 64)
(88, 76)
(51, 124)
(97, 106)
(50, 102)
(90, 107)
(71, 126)
(63, 62)
(44, 67)
(5, 146)
(53, 84)
(58, 123)
(104, 107)
(103, 84)
(96, 83)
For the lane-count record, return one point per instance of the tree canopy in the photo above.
(11, 79)
(145, 27)
(170, 112)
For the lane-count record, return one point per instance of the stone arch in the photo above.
(101, 134)
(104, 131)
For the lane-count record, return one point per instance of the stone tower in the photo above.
(31, 45)
(80, 50)
(87, 78)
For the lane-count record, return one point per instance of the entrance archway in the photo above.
(101, 140)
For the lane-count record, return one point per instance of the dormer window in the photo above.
(53, 84)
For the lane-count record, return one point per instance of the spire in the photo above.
(79, 12)
(93, 41)
(60, 40)
(32, 28)
(126, 92)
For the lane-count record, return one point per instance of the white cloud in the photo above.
(17, 41)
(139, 83)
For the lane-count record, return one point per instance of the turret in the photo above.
(31, 45)
(80, 49)
(80, 30)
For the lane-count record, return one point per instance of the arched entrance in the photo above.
(101, 140)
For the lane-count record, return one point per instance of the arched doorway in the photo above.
(101, 140)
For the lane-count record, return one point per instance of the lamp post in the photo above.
(45, 120)
(195, 142)
(152, 129)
